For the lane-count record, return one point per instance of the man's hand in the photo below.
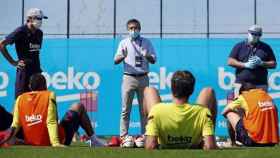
(151, 142)
(144, 52)
(209, 142)
(124, 53)
(257, 60)
(251, 63)
(20, 64)
(121, 56)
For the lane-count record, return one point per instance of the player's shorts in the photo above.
(70, 123)
(243, 137)
(22, 79)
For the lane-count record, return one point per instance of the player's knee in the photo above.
(233, 118)
(78, 107)
(232, 114)
(208, 90)
(150, 91)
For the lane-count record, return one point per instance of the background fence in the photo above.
(159, 18)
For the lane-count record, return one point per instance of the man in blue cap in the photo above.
(251, 59)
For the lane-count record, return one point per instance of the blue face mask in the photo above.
(253, 39)
(134, 34)
(37, 23)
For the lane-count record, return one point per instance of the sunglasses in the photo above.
(255, 33)
(37, 18)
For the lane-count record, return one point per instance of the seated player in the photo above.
(36, 113)
(258, 125)
(179, 124)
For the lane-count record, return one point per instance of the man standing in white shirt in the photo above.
(136, 53)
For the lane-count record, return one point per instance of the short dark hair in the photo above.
(245, 86)
(137, 22)
(37, 82)
(182, 84)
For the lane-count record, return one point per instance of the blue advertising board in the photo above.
(73, 66)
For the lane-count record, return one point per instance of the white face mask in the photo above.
(134, 34)
(253, 39)
(37, 23)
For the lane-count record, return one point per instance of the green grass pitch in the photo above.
(82, 151)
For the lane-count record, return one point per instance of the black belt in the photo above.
(136, 75)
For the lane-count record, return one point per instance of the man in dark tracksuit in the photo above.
(28, 41)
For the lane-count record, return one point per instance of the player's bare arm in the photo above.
(6, 54)
(269, 64)
(235, 63)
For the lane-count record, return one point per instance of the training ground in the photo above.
(79, 150)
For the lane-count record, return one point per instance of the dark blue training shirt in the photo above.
(27, 45)
(241, 52)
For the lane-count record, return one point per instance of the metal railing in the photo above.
(114, 34)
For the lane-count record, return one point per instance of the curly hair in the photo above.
(37, 82)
